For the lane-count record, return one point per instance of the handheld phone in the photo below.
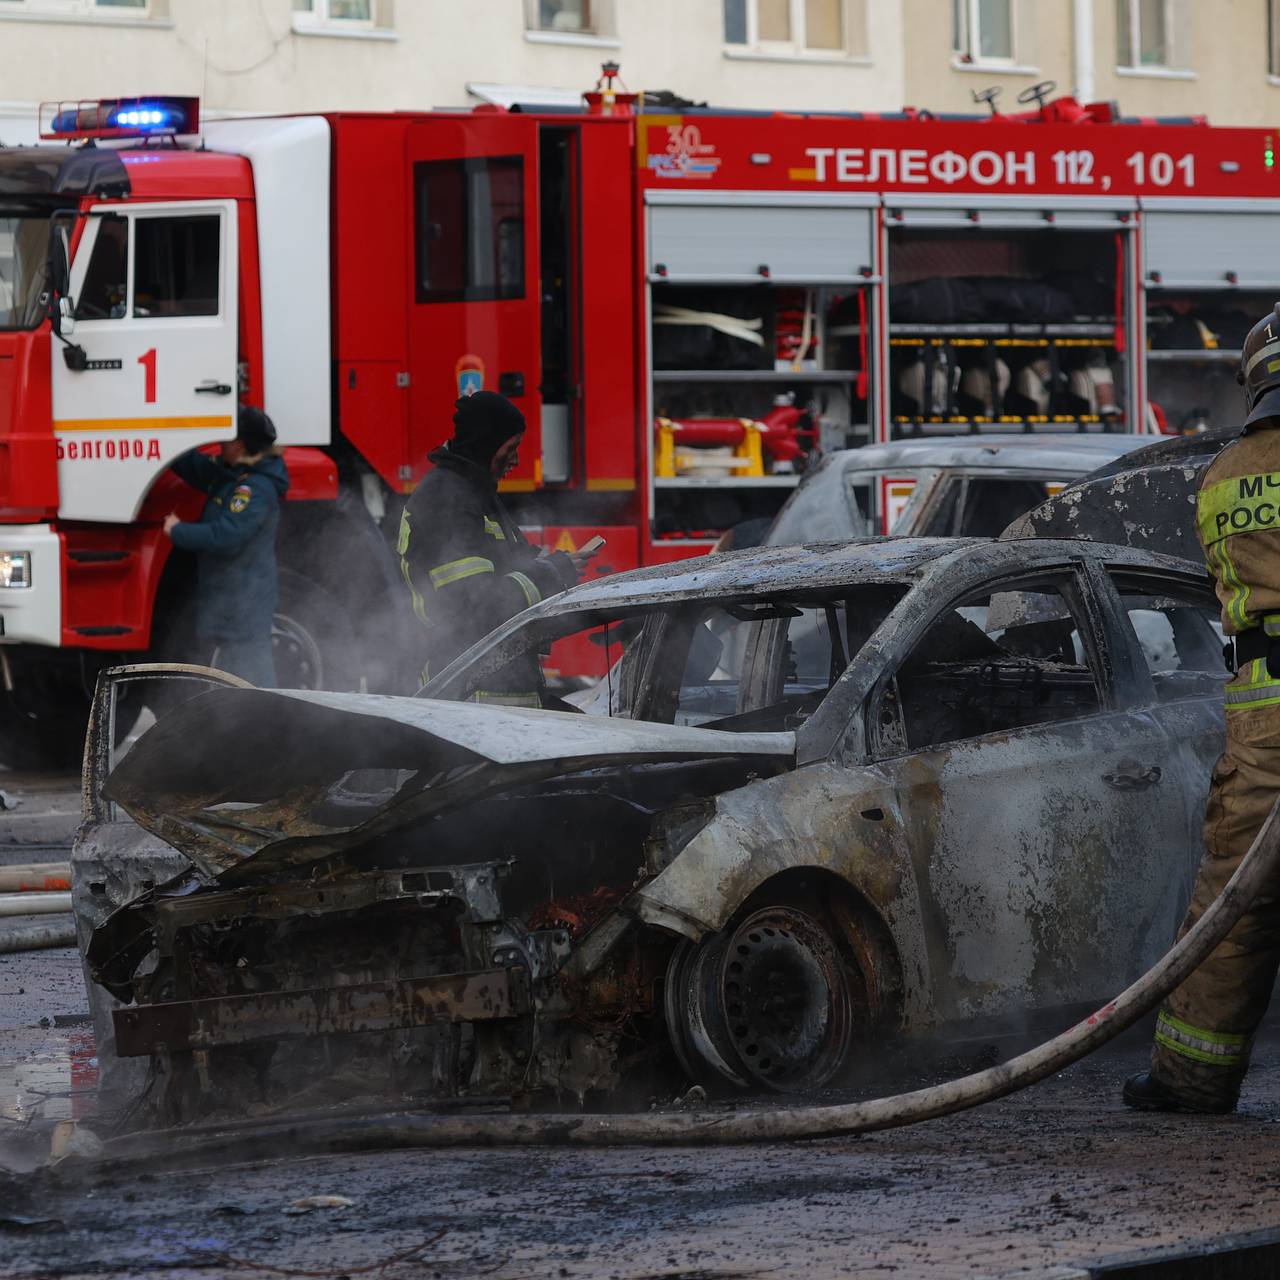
(592, 545)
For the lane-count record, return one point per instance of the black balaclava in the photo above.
(483, 423)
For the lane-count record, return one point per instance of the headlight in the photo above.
(15, 568)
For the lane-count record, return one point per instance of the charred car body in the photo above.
(828, 792)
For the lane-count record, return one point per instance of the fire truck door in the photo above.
(150, 371)
(475, 311)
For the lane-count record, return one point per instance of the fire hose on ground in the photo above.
(36, 877)
(38, 937)
(712, 1127)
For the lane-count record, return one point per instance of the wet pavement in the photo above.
(1051, 1182)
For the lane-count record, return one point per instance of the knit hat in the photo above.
(255, 429)
(483, 423)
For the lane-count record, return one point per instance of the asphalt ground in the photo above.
(1057, 1181)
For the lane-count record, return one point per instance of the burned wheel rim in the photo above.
(766, 1004)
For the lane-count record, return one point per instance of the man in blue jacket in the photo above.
(234, 543)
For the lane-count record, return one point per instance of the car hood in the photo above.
(278, 778)
(1145, 499)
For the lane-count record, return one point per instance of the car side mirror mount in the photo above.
(64, 317)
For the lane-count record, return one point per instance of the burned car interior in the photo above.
(998, 661)
(701, 865)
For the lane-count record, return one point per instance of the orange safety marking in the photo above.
(139, 424)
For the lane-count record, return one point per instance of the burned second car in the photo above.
(822, 796)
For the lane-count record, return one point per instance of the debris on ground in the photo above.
(307, 1203)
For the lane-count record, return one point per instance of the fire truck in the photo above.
(686, 304)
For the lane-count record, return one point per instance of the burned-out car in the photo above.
(827, 794)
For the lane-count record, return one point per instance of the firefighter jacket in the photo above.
(234, 542)
(469, 568)
(1238, 518)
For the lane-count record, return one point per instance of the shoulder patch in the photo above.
(240, 498)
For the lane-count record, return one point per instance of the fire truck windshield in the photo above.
(24, 253)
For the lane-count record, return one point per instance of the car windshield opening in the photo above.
(755, 665)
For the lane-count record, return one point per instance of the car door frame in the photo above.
(147, 425)
(1124, 688)
(1193, 777)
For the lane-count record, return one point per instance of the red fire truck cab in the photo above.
(685, 303)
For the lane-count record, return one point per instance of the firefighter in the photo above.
(1205, 1029)
(466, 563)
(234, 543)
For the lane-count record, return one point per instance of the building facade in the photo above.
(1218, 58)
(1155, 57)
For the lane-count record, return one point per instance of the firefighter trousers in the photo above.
(1205, 1030)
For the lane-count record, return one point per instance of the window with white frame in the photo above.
(1144, 33)
(577, 17)
(794, 26)
(88, 8)
(336, 13)
(1273, 38)
(983, 30)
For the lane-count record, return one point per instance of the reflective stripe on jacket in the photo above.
(468, 568)
(1238, 520)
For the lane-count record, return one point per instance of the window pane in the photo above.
(1273, 37)
(102, 296)
(990, 506)
(121, 4)
(713, 669)
(303, 6)
(959, 26)
(824, 24)
(995, 29)
(1180, 635)
(1124, 47)
(735, 21)
(1152, 32)
(564, 15)
(24, 248)
(774, 19)
(353, 10)
(176, 269)
(469, 229)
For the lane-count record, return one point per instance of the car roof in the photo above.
(763, 571)
(1035, 453)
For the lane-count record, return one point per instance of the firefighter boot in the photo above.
(1145, 1092)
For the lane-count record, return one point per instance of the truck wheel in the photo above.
(50, 742)
(55, 740)
(313, 640)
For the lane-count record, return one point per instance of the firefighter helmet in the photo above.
(1259, 372)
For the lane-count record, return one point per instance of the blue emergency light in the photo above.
(119, 118)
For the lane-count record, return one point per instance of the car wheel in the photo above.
(47, 742)
(767, 1003)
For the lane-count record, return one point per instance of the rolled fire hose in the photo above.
(712, 1127)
